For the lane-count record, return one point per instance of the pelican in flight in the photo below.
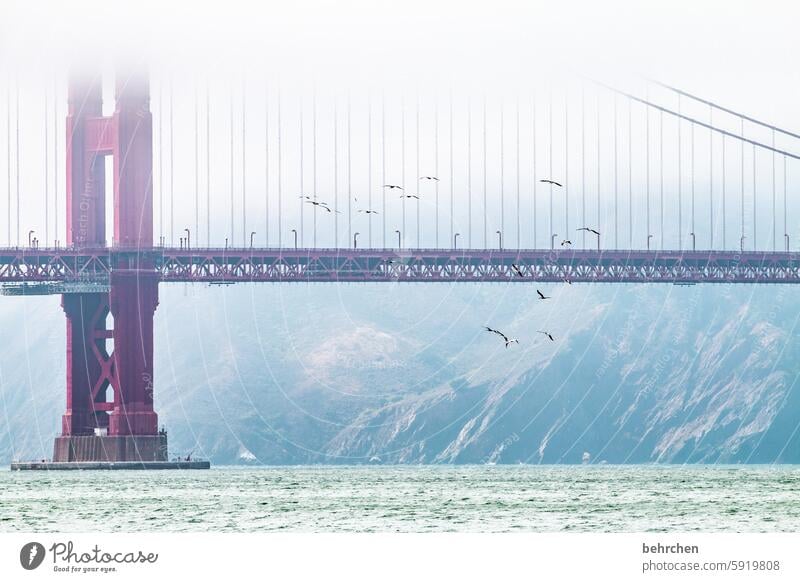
(553, 182)
(506, 339)
(566, 242)
(588, 230)
(429, 178)
(323, 205)
(409, 196)
(541, 295)
(517, 270)
(392, 186)
(547, 333)
(369, 211)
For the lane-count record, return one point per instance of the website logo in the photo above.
(31, 555)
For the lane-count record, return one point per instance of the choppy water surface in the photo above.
(418, 499)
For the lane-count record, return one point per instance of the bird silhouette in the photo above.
(506, 339)
(392, 186)
(323, 205)
(409, 196)
(553, 182)
(541, 295)
(547, 333)
(588, 230)
(566, 242)
(369, 211)
(429, 178)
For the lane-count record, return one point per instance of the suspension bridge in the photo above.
(606, 234)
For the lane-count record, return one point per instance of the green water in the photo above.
(407, 499)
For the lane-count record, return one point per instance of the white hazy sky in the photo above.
(741, 54)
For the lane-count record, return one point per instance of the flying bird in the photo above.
(429, 178)
(517, 270)
(392, 186)
(547, 333)
(506, 339)
(553, 182)
(321, 205)
(566, 243)
(369, 211)
(409, 196)
(541, 295)
(588, 230)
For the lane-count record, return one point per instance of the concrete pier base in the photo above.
(101, 466)
(110, 449)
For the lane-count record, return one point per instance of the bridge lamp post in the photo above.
(694, 240)
(499, 239)
(553, 240)
(252, 234)
(741, 243)
(30, 234)
(649, 236)
(294, 232)
(455, 240)
(188, 236)
(399, 241)
(786, 236)
(355, 240)
(226, 243)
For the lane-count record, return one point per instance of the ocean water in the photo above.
(407, 499)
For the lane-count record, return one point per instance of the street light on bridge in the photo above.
(499, 239)
(294, 232)
(455, 240)
(694, 240)
(399, 242)
(649, 236)
(252, 234)
(30, 234)
(741, 243)
(553, 240)
(188, 236)
(787, 241)
(355, 240)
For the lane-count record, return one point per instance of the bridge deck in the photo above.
(59, 270)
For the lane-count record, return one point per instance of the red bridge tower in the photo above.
(110, 416)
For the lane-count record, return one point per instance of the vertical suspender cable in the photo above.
(773, 191)
(302, 173)
(519, 243)
(196, 164)
(369, 169)
(711, 178)
(208, 165)
(535, 181)
(403, 163)
(383, 169)
(754, 199)
(741, 144)
(55, 157)
(452, 191)
(266, 163)
(8, 159)
(469, 172)
(680, 180)
(280, 172)
(16, 152)
(485, 207)
(630, 174)
(785, 225)
(46, 169)
(598, 170)
(172, 166)
(647, 163)
(566, 165)
(691, 171)
(502, 168)
(550, 162)
(436, 162)
(616, 178)
(335, 172)
(314, 160)
(661, 173)
(160, 164)
(724, 226)
(244, 166)
(349, 173)
(233, 171)
(583, 166)
(417, 169)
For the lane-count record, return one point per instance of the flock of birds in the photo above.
(514, 267)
